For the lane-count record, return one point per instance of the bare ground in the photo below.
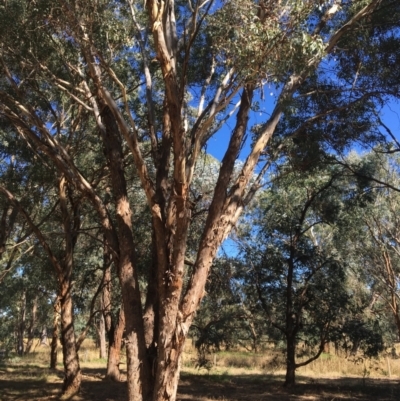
(35, 383)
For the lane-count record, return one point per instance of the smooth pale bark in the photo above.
(43, 336)
(102, 337)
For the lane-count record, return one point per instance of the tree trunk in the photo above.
(151, 312)
(32, 326)
(43, 336)
(168, 371)
(138, 372)
(21, 325)
(102, 337)
(72, 371)
(114, 347)
(290, 379)
(55, 335)
(114, 329)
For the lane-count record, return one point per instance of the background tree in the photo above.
(375, 243)
(294, 261)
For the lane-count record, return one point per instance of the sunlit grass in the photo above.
(230, 376)
(273, 362)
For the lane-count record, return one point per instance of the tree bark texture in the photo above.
(114, 347)
(55, 335)
(72, 371)
(138, 372)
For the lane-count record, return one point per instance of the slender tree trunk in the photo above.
(43, 336)
(151, 312)
(114, 327)
(102, 337)
(114, 347)
(72, 371)
(32, 326)
(21, 325)
(55, 335)
(394, 304)
(290, 379)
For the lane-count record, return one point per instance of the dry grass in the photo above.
(235, 376)
(273, 362)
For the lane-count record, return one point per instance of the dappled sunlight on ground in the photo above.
(24, 382)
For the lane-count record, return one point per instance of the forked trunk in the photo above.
(138, 372)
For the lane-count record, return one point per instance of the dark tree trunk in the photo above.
(290, 378)
(291, 325)
(56, 335)
(21, 326)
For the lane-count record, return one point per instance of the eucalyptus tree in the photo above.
(377, 246)
(19, 254)
(53, 216)
(163, 73)
(297, 271)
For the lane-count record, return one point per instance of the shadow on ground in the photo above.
(28, 382)
(36, 383)
(258, 387)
